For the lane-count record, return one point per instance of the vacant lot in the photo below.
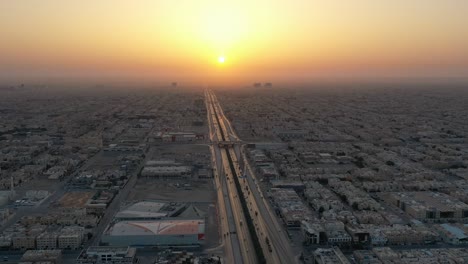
(199, 191)
(75, 199)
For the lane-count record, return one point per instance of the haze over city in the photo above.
(288, 41)
(234, 132)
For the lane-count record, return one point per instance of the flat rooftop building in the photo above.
(430, 206)
(107, 255)
(329, 256)
(170, 233)
(149, 210)
(167, 172)
(46, 256)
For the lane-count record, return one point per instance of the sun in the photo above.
(221, 59)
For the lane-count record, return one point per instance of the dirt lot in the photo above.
(167, 190)
(148, 189)
(75, 199)
(105, 160)
(38, 184)
(185, 153)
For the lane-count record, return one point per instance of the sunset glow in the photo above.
(284, 40)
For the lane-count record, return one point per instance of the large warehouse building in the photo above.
(150, 210)
(164, 233)
(165, 169)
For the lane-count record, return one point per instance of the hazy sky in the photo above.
(164, 40)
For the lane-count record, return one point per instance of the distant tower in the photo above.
(174, 84)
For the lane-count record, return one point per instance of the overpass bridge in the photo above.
(228, 144)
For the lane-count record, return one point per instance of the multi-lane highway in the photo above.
(275, 245)
(236, 238)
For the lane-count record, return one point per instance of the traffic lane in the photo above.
(233, 244)
(260, 223)
(231, 228)
(275, 229)
(222, 212)
(245, 239)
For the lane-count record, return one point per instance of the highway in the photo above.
(228, 227)
(271, 236)
(235, 234)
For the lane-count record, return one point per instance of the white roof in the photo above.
(158, 227)
(143, 209)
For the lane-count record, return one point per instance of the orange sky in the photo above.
(282, 40)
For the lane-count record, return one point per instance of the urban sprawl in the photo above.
(263, 174)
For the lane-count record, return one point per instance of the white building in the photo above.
(329, 256)
(172, 233)
(167, 172)
(47, 240)
(71, 237)
(42, 256)
(107, 255)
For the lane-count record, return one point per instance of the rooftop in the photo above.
(143, 209)
(158, 227)
(457, 232)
